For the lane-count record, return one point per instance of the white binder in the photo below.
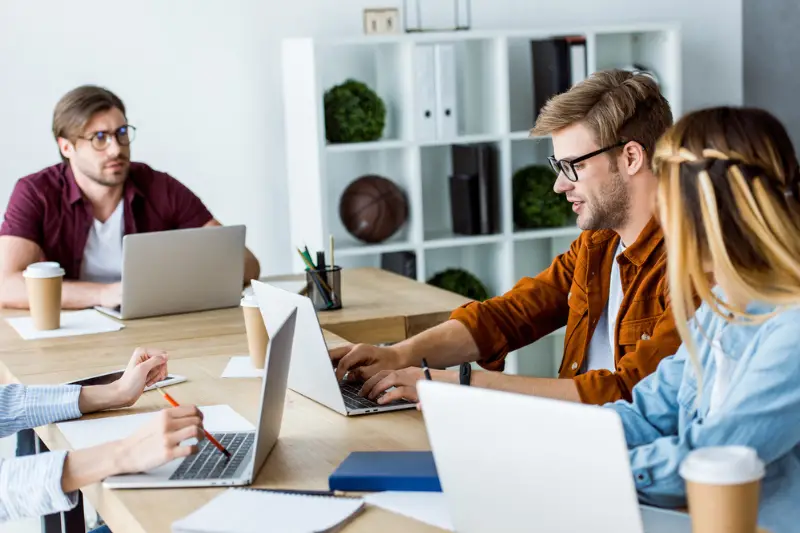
(425, 113)
(447, 110)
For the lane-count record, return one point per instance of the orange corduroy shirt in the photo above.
(573, 291)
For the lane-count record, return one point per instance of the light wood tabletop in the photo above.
(381, 306)
(314, 439)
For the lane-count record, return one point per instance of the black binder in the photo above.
(473, 189)
(551, 70)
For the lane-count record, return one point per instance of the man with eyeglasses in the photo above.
(77, 212)
(609, 289)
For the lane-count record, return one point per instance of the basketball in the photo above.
(373, 208)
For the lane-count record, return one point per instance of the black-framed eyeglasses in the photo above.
(567, 166)
(102, 139)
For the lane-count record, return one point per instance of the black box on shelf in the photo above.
(403, 263)
(557, 65)
(473, 189)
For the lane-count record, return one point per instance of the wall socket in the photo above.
(381, 20)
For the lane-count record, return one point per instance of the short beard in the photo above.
(102, 180)
(610, 208)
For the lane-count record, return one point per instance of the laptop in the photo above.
(551, 465)
(180, 271)
(312, 373)
(249, 449)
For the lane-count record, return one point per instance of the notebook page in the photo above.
(93, 432)
(250, 511)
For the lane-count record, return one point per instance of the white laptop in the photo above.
(312, 373)
(181, 271)
(249, 449)
(545, 465)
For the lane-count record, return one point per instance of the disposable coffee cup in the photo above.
(723, 486)
(43, 281)
(256, 331)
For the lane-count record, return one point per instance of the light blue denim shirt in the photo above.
(666, 419)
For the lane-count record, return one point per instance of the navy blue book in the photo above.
(379, 471)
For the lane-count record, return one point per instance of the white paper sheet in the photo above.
(241, 367)
(248, 511)
(87, 433)
(428, 507)
(85, 322)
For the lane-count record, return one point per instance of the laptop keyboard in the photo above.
(210, 463)
(353, 401)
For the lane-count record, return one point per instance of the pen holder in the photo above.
(325, 288)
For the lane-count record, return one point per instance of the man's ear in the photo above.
(633, 157)
(66, 147)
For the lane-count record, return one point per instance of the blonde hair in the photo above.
(728, 197)
(614, 104)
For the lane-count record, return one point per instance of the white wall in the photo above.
(201, 81)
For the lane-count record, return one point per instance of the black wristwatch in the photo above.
(465, 374)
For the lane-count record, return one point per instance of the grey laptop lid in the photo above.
(182, 271)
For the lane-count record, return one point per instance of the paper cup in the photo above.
(722, 486)
(257, 337)
(43, 282)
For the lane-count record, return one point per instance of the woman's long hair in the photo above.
(728, 198)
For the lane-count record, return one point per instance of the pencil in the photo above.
(426, 370)
(333, 263)
(211, 439)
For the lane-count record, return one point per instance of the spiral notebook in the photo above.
(254, 511)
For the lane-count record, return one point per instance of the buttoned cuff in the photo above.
(642, 478)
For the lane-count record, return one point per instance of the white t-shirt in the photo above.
(602, 345)
(102, 257)
(725, 367)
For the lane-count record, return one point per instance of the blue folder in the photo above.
(379, 471)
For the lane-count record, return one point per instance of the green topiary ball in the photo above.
(353, 113)
(536, 205)
(461, 282)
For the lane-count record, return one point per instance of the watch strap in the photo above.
(465, 374)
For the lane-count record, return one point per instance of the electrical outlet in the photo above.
(383, 20)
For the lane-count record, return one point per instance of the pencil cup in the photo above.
(325, 288)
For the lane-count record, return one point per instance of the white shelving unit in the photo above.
(495, 105)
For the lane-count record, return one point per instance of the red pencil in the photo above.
(211, 439)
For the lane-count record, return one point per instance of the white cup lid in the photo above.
(722, 465)
(45, 269)
(249, 300)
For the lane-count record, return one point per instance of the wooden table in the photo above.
(380, 306)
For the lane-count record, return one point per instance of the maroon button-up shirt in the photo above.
(49, 209)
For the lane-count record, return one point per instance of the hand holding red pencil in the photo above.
(159, 440)
(207, 435)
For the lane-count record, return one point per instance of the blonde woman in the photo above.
(728, 202)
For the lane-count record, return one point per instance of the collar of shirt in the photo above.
(640, 250)
(74, 193)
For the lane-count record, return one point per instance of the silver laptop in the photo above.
(312, 373)
(249, 449)
(180, 271)
(552, 466)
